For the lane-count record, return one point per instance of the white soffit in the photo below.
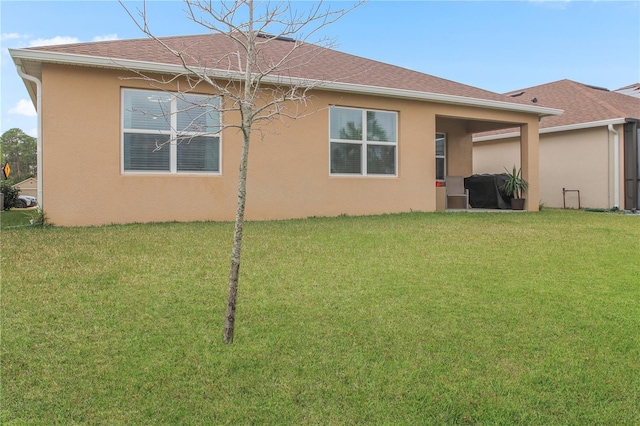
(577, 126)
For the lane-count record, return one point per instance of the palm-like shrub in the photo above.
(515, 185)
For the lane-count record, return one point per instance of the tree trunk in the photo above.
(234, 273)
(246, 113)
(253, 104)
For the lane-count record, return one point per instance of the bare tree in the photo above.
(252, 80)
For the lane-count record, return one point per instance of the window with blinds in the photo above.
(441, 153)
(170, 132)
(363, 142)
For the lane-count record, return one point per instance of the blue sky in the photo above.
(498, 45)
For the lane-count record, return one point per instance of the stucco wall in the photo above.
(459, 148)
(494, 156)
(578, 159)
(288, 167)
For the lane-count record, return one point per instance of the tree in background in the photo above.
(19, 149)
(245, 89)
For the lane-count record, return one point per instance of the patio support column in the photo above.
(530, 163)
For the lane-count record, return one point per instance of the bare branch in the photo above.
(260, 78)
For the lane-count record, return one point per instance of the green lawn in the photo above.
(456, 318)
(17, 217)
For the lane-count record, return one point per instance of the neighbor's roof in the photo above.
(630, 90)
(31, 181)
(339, 71)
(584, 106)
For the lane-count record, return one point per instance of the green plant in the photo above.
(515, 185)
(40, 220)
(9, 193)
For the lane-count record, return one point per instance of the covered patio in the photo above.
(458, 152)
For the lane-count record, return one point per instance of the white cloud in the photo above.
(11, 36)
(106, 37)
(24, 107)
(68, 40)
(53, 41)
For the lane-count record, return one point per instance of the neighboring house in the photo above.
(28, 187)
(630, 90)
(98, 164)
(592, 148)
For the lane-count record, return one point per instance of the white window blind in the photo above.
(171, 133)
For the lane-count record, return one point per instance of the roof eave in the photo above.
(30, 86)
(565, 128)
(439, 98)
(39, 56)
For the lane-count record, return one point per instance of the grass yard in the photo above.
(17, 218)
(397, 319)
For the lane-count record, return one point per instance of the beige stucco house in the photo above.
(590, 151)
(28, 186)
(100, 124)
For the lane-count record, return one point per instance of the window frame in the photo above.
(173, 134)
(443, 136)
(364, 144)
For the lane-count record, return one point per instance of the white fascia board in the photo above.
(568, 127)
(30, 88)
(93, 61)
(98, 61)
(438, 97)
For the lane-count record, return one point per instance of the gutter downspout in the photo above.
(39, 139)
(616, 168)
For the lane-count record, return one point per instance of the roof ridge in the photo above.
(628, 87)
(525, 89)
(588, 91)
(118, 40)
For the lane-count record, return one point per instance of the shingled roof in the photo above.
(630, 90)
(214, 51)
(581, 103)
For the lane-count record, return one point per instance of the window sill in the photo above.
(165, 174)
(347, 175)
